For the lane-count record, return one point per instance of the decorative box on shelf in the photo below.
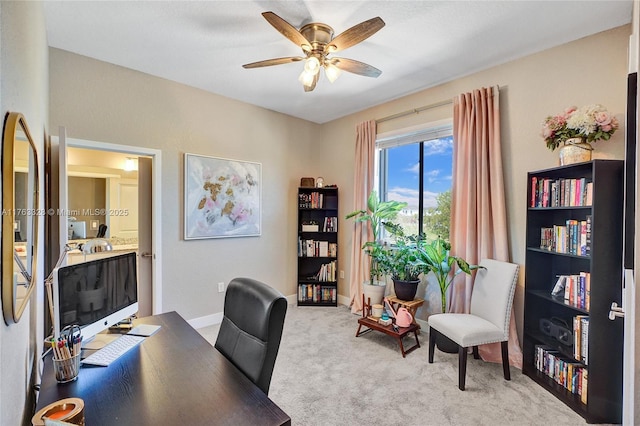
(310, 228)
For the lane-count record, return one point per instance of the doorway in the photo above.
(148, 209)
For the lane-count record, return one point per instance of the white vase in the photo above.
(375, 293)
(575, 150)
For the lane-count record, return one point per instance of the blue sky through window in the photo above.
(403, 171)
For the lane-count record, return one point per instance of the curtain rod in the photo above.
(414, 111)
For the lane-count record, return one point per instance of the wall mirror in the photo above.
(20, 215)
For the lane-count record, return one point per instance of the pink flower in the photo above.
(603, 119)
(591, 122)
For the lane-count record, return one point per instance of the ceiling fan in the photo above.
(317, 42)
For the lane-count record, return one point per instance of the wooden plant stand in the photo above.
(410, 305)
(392, 330)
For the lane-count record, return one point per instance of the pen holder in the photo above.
(66, 369)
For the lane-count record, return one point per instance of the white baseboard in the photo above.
(343, 300)
(206, 321)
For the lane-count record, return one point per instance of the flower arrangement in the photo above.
(591, 123)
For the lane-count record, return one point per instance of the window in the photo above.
(415, 166)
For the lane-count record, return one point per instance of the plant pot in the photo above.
(575, 150)
(445, 344)
(375, 293)
(405, 290)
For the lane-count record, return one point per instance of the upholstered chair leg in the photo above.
(432, 343)
(476, 355)
(462, 366)
(505, 359)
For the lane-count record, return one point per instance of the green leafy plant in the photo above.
(380, 215)
(437, 258)
(402, 261)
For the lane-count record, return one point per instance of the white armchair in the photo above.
(488, 320)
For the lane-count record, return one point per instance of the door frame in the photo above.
(156, 203)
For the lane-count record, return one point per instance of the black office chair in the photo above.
(102, 231)
(251, 328)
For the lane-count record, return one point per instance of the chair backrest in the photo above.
(251, 328)
(493, 289)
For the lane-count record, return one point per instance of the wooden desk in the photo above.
(174, 377)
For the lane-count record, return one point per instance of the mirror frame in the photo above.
(10, 309)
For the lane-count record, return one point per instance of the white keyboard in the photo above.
(113, 350)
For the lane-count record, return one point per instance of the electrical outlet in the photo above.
(220, 287)
(94, 225)
(341, 274)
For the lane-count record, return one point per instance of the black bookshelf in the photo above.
(603, 264)
(317, 246)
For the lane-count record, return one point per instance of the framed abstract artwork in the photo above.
(222, 197)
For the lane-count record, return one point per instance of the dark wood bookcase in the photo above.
(603, 262)
(317, 246)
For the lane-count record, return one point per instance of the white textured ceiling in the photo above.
(424, 43)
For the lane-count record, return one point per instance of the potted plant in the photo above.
(575, 129)
(379, 215)
(403, 264)
(438, 259)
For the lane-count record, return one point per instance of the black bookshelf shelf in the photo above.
(317, 249)
(602, 341)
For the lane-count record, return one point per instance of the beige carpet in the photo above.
(324, 375)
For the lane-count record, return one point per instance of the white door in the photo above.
(123, 208)
(146, 258)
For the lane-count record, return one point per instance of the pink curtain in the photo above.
(478, 211)
(362, 187)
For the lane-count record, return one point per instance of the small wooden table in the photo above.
(389, 330)
(410, 305)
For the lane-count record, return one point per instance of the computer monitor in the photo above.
(95, 294)
(77, 230)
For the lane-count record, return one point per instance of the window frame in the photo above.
(417, 134)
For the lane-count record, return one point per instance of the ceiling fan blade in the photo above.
(287, 30)
(274, 61)
(355, 35)
(313, 83)
(356, 67)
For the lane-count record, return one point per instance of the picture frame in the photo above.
(222, 197)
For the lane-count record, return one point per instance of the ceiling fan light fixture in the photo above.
(129, 165)
(317, 41)
(306, 78)
(312, 65)
(331, 71)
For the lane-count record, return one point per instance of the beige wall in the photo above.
(24, 88)
(589, 70)
(102, 102)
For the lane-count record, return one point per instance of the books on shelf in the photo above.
(316, 293)
(572, 237)
(570, 374)
(330, 224)
(581, 338)
(563, 192)
(327, 272)
(576, 289)
(316, 200)
(316, 248)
